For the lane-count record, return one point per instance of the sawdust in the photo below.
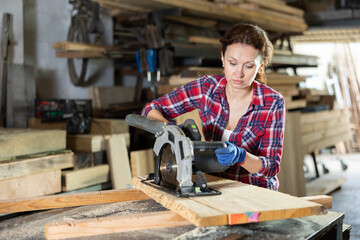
(32, 226)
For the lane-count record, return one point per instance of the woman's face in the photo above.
(241, 64)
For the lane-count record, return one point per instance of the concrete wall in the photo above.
(47, 21)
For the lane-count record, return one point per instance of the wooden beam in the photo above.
(38, 184)
(91, 142)
(199, 22)
(119, 161)
(278, 7)
(80, 178)
(70, 200)
(36, 164)
(76, 46)
(116, 224)
(324, 200)
(142, 162)
(19, 142)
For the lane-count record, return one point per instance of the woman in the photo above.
(247, 114)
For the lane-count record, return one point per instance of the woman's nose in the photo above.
(240, 71)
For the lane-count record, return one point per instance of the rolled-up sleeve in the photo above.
(271, 147)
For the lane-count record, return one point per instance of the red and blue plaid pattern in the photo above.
(260, 130)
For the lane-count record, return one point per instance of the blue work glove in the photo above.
(230, 155)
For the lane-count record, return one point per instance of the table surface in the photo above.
(31, 225)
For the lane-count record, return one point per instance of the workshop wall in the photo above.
(47, 21)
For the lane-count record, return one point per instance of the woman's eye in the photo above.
(233, 64)
(249, 66)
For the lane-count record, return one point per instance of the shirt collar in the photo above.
(258, 94)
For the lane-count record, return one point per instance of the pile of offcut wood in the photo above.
(272, 15)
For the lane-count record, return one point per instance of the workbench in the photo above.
(31, 225)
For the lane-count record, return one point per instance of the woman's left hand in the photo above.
(230, 155)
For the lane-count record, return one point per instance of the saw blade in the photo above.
(168, 168)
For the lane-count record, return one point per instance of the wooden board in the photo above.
(76, 179)
(38, 184)
(103, 97)
(70, 200)
(244, 204)
(119, 161)
(90, 142)
(115, 224)
(108, 126)
(325, 184)
(291, 175)
(36, 164)
(98, 125)
(142, 162)
(19, 142)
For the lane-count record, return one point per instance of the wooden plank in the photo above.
(76, 179)
(324, 200)
(199, 22)
(198, 39)
(326, 124)
(38, 184)
(323, 134)
(35, 123)
(327, 142)
(324, 184)
(252, 206)
(22, 167)
(91, 143)
(279, 7)
(70, 200)
(80, 54)
(197, 213)
(291, 175)
(115, 224)
(244, 203)
(119, 161)
(76, 46)
(142, 162)
(18, 142)
(321, 116)
(98, 125)
(105, 96)
(108, 126)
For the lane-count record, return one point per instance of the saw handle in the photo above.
(145, 123)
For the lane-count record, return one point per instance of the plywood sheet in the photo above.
(239, 203)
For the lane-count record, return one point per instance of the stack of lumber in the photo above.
(85, 50)
(285, 84)
(31, 162)
(306, 133)
(324, 129)
(105, 150)
(105, 97)
(272, 15)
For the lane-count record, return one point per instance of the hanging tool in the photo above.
(180, 154)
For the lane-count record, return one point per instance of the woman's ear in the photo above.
(222, 59)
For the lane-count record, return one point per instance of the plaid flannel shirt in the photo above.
(259, 131)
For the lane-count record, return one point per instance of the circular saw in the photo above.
(179, 155)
